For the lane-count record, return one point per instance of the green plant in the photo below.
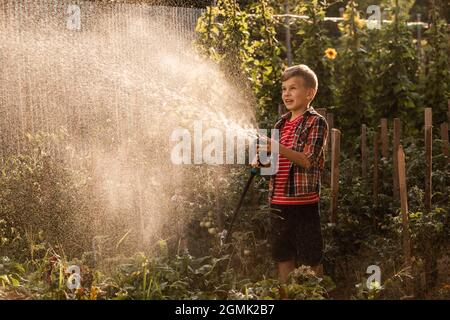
(244, 44)
(354, 67)
(312, 42)
(395, 77)
(40, 198)
(436, 76)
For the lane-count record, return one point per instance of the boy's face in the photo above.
(295, 95)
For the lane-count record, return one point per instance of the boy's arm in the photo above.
(315, 141)
(298, 158)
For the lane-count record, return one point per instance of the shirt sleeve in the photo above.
(316, 140)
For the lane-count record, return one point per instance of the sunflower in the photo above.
(330, 53)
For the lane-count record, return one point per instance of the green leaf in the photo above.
(4, 278)
(14, 282)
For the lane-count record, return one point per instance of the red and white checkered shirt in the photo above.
(293, 184)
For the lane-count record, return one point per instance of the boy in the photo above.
(294, 190)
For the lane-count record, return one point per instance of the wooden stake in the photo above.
(335, 154)
(396, 143)
(288, 33)
(364, 151)
(430, 259)
(405, 215)
(428, 158)
(330, 121)
(138, 208)
(444, 138)
(384, 137)
(219, 215)
(448, 111)
(323, 113)
(428, 117)
(376, 139)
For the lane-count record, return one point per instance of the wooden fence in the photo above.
(399, 179)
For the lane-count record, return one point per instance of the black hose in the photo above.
(239, 205)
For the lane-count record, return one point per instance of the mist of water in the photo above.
(117, 88)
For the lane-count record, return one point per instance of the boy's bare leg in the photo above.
(284, 268)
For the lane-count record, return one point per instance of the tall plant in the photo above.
(435, 82)
(353, 74)
(244, 43)
(311, 47)
(395, 73)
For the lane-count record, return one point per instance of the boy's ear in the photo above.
(311, 93)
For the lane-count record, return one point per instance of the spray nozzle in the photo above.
(257, 163)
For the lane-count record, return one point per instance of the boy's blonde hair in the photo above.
(303, 71)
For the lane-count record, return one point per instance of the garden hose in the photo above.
(253, 173)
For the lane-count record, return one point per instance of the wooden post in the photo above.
(330, 120)
(364, 151)
(448, 111)
(384, 137)
(444, 138)
(218, 193)
(419, 46)
(376, 155)
(429, 260)
(139, 207)
(405, 215)
(288, 34)
(428, 156)
(396, 143)
(323, 113)
(428, 117)
(335, 153)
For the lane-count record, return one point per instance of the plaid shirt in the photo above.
(310, 138)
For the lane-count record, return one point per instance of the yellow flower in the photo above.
(359, 23)
(356, 19)
(94, 292)
(330, 53)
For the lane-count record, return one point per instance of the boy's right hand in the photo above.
(265, 144)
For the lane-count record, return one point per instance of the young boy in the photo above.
(294, 190)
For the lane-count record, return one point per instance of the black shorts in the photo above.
(296, 233)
